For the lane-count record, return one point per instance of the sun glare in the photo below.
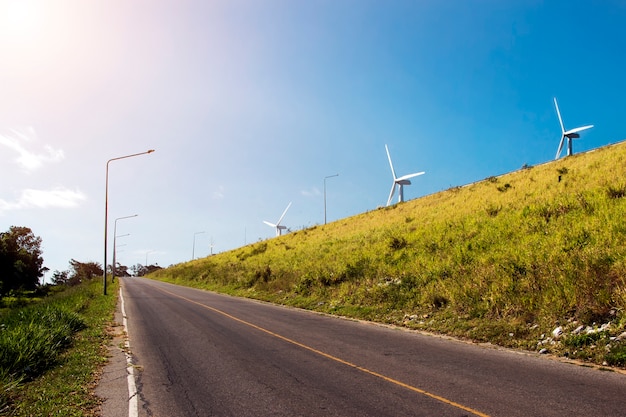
(20, 19)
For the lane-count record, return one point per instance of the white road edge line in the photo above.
(130, 378)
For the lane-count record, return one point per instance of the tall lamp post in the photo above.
(330, 176)
(146, 264)
(106, 214)
(193, 251)
(115, 236)
(115, 251)
(115, 246)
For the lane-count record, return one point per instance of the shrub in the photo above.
(504, 187)
(493, 210)
(616, 356)
(614, 192)
(586, 339)
(440, 301)
(397, 243)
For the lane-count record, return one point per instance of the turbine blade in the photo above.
(578, 129)
(406, 177)
(284, 212)
(393, 172)
(558, 153)
(269, 224)
(558, 113)
(393, 189)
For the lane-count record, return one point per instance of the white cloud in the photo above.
(313, 192)
(219, 193)
(56, 197)
(19, 140)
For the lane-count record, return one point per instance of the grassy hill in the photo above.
(505, 260)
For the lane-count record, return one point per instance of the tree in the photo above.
(78, 272)
(83, 271)
(141, 270)
(60, 277)
(121, 270)
(21, 264)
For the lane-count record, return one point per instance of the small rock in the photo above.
(621, 337)
(578, 330)
(556, 333)
(543, 351)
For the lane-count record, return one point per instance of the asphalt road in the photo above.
(198, 353)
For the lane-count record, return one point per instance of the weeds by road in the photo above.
(51, 351)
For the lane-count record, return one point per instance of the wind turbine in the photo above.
(278, 226)
(569, 134)
(399, 182)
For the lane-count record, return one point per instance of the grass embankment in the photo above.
(505, 260)
(51, 351)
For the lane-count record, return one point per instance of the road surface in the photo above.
(197, 353)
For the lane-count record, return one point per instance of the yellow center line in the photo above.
(334, 358)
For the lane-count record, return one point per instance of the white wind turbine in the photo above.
(399, 182)
(278, 226)
(569, 134)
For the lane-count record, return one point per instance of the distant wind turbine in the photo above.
(278, 226)
(398, 182)
(569, 134)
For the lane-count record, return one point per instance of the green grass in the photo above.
(504, 260)
(51, 353)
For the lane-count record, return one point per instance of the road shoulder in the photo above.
(113, 385)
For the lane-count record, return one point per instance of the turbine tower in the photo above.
(278, 226)
(398, 182)
(569, 134)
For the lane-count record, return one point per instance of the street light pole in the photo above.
(106, 214)
(193, 251)
(147, 252)
(113, 270)
(115, 246)
(330, 176)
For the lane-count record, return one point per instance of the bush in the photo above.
(615, 192)
(616, 356)
(397, 243)
(587, 339)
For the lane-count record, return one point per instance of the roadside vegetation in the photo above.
(533, 260)
(51, 350)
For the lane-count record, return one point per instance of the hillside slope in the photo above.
(533, 259)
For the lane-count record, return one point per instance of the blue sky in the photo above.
(250, 104)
